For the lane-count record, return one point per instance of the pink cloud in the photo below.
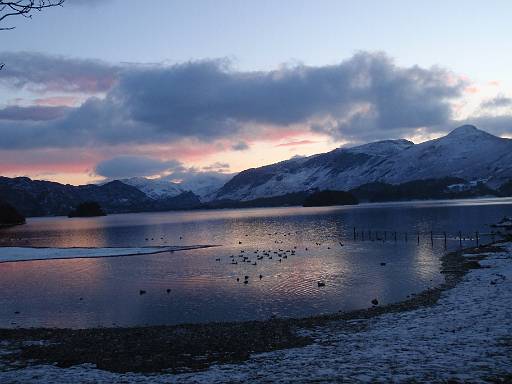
(47, 160)
(472, 89)
(296, 143)
(57, 101)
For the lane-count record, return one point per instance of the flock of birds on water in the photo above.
(279, 254)
(265, 254)
(260, 255)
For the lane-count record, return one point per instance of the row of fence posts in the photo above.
(367, 234)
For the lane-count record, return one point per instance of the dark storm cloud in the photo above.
(129, 166)
(497, 102)
(43, 73)
(366, 96)
(34, 113)
(240, 146)
(368, 91)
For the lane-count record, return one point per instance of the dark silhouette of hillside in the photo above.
(328, 198)
(444, 188)
(46, 198)
(87, 209)
(9, 215)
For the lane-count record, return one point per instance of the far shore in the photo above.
(362, 204)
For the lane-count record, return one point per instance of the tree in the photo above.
(9, 215)
(87, 209)
(327, 198)
(25, 8)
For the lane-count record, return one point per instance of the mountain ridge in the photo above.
(466, 152)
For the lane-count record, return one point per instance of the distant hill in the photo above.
(45, 198)
(202, 184)
(286, 200)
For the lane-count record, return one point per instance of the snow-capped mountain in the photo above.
(204, 184)
(466, 152)
(201, 184)
(155, 188)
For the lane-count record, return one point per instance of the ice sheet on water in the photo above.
(10, 254)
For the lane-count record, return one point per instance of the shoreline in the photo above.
(196, 347)
(363, 204)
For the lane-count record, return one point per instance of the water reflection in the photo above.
(105, 292)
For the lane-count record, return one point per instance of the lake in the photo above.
(201, 285)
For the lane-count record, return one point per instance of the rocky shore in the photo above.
(457, 331)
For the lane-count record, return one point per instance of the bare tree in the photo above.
(25, 8)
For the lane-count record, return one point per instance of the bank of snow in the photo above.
(465, 336)
(14, 254)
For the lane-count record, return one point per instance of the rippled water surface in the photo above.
(106, 291)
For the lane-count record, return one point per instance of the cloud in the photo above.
(58, 101)
(130, 166)
(240, 146)
(207, 99)
(296, 143)
(472, 89)
(34, 113)
(44, 73)
(364, 97)
(498, 101)
(217, 167)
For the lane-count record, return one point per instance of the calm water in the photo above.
(105, 292)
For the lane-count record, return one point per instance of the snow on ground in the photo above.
(9, 254)
(466, 336)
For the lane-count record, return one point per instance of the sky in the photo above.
(105, 89)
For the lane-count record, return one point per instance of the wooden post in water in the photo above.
(395, 236)
(460, 238)
(431, 238)
(362, 235)
(444, 240)
(355, 234)
(477, 239)
(418, 238)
